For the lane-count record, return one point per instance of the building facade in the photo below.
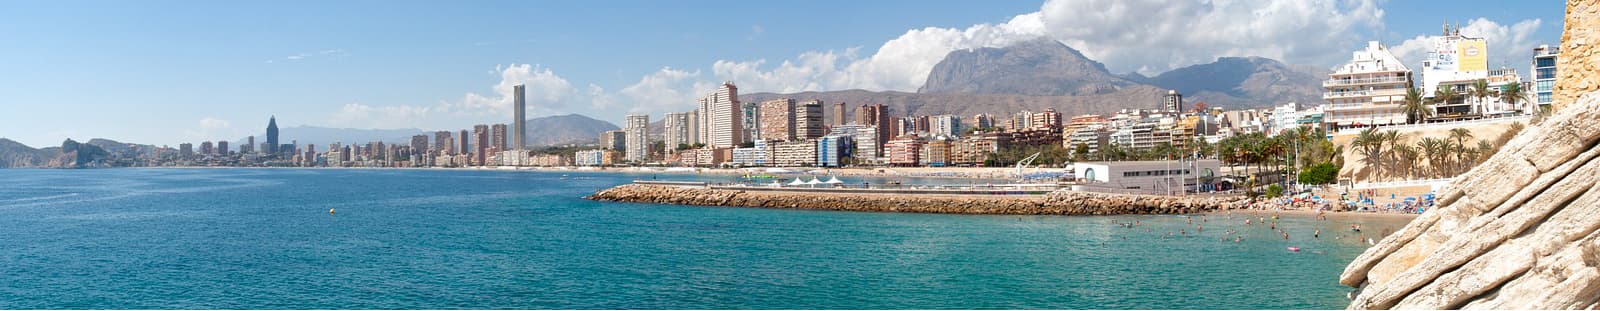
(1369, 90)
(1544, 75)
(722, 117)
(808, 120)
(778, 120)
(637, 138)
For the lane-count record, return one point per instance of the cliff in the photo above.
(1520, 231)
(1055, 203)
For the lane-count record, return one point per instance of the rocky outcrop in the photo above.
(1521, 230)
(1054, 203)
(1577, 70)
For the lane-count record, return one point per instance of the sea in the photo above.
(497, 239)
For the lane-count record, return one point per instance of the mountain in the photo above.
(15, 154)
(1039, 67)
(1245, 82)
(1044, 73)
(566, 129)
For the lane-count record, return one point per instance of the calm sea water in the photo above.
(443, 239)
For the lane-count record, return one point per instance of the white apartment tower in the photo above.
(722, 117)
(638, 137)
(1369, 90)
(676, 127)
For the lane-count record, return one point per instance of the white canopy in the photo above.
(813, 181)
(776, 184)
(834, 180)
(797, 182)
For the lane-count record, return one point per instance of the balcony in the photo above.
(1344, 94)
(1374, 80)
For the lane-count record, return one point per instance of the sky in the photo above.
(167, 72)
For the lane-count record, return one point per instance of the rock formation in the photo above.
(1521, 230)
(1055, 203)
(1576, 70)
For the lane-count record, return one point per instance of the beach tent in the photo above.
(834, 180)
(797, 182)
(813, 181)
(776, 184)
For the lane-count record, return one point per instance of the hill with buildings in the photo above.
(1044, 73)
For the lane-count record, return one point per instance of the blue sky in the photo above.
(165, 72)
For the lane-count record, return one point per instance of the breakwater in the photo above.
(1061, 202)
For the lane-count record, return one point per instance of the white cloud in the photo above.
(322, 53)
(665, 90)
(545, 91)
(211, 128)
(1508, 45)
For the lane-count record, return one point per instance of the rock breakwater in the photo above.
(1054, 203)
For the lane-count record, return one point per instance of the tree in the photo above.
(1370, 145)
(1415, 107)
(1460, 136)
(1513, 93)
(1319, 174)
(1079, 152)
(1445, 95)
(1480, 90)
(1433, 150)
(1274, 191)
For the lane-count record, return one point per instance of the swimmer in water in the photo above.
(1200, 228)
(1317, 235)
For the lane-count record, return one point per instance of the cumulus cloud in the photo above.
(1509, 45)
(211, 128)
(665, 90)
(546, 92)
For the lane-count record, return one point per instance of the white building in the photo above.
(638, 138)
(676, 130)
(721, 117)
(589, 157)
(944, 125)
(1544, 74)
(758, 155)
(866, 141)
(1370, 90)
(1157, 177)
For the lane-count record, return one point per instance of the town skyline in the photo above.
(669, 81)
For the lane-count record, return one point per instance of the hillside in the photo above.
(566, 129)
(1245, 82)
(1040, 67)
(15, 154)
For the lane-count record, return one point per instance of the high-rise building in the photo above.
(249, 145)
(723, 117)
(778, 119)
(839, 116)
(1172, 102)
(636, 126)
(878, 116)
(945, 125)
(419, 144)
(497, 137)
(207, 149)
(272, 135)
(677, 130)
(694, 128)
(1369, 90)
(222, 147)
(1457, 62)
(749, 114)
(865, 137)
(615, 140)
(1050, 119)
(480, 143)
(519, 128)
(446, 144)
(186, 149)
(1544, 75)
(464, 143)
(808, 120)
(982, 120)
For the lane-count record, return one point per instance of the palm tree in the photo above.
(1460, 135)
(1485, 150)
(1480, 90)
(1513, 93)
(1433, 150)
(1407, 157)
(1392, 138)
(1370, 145)
(1444, 95)
(1415, 107)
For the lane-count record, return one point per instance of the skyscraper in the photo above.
(777, 120)
(419, 145)
(272, 135)
(676, 127)
(839, 116)
(249, 142)
(723, 118)
(616, 140)
(497, 137)
(464, 143)
(519, 128)
(749, 113)
(222, 147)
(878, 116)
(636, 127)
(446, 144)
(480, 143)
(808, 120)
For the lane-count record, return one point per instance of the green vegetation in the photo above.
(1319, 174)
(1274, 190)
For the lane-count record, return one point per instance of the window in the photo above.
(1544, 97)
(1544, 62)
(1545, 73)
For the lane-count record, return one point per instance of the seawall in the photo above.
(1055, 203)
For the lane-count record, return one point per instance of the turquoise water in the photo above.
(443, 239)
